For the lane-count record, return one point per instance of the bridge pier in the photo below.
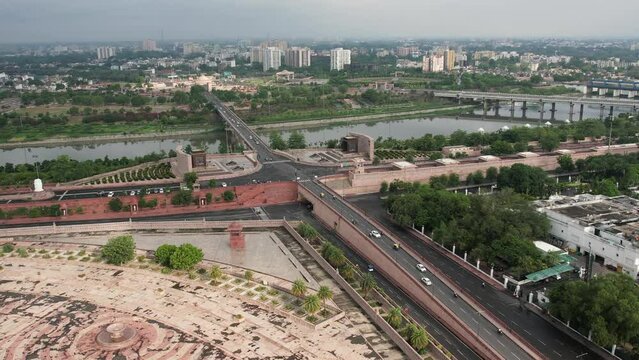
(553, 110)
(485, 102)
(497, 106)
(601, 111)
(541, 111)
(572, 111)
(634, 109)
(512, 109)
(612, 112)
(523, 109)
(581, 112)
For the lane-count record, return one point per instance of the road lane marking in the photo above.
(462, 309)
(477, 322)
(527, 332)
(501, 343)
(518, 358)
(542, 343)
(557, 353)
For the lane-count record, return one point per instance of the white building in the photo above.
(271, 58)
(149, 45)
(105, 52)
(297, 57)
(339, 58)
(433, 63)
(606, 227)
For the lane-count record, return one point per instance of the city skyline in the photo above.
(58, 21)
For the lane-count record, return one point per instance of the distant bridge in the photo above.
(629, 89)
(496, 98)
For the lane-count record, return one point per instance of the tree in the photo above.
(119, 250)
(185, 257)
(312, 304)
(332, 143)
(296, 140)
(491, 174)
(324, 293)
(299, 288)
(347, 272)
(549, 141)
(607, 187)
(190, 178)
(394, 317)
(228, 195)
(384, 187)
(501, 147)
(115, 204)
(419, 339)
(215, 273)
(212, 183)
(163, 254)
(367, 283)
(276, 141)
(565, 163)
(248, 275)
(182, 197)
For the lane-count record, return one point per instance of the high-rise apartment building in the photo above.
(297, 57)
(404, 51)
(449, 60)
(433, 63)
(105, 52)
(190, 48)
(256, 54)
(149, 45)
(339, 58)
(271, 58)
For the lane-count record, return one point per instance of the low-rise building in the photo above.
(606, 227)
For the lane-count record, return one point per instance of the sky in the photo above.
(123, 20)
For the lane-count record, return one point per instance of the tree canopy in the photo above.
(119, 250)
(185, 257)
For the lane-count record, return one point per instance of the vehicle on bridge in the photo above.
(375, 234)
(421, 267)
(427, 281)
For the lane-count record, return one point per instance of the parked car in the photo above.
(421, 267)
(370, 267)
(427, 281)
(375, 234)
(161, 190)
(224, 184)
(110, 194)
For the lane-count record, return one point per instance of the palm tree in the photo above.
(299, 288)
(419, 339)
(347, 272)
(409, 330)
(312, 304)
(324, 293)
(216, 274)
(367, 283)
(394, 317)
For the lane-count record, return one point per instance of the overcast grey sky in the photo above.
(111, 20)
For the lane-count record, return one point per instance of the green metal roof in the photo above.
(550, 272)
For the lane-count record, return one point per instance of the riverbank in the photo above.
(452, 110)
(105, 139)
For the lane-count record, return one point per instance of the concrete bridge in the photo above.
(496, 99)
(619, 88)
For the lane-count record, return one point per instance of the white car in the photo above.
(224, 184)
(132, 193)
(421, 267)
(161, 191)
(375, 234)
(110, 194)
(427, 281)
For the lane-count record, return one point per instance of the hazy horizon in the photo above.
(44, 21)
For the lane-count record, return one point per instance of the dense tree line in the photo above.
(497, 229)
(607, 305)
(64, 169)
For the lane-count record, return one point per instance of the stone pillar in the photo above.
(572, 111)
(614, 348)
(553, 110)
(492, 271)
(505, 283)
(453, 248)
(512, 109)
(478, 264)
(541, 111)
(530, 297)
(601, 111)
(524, 107)
(581, 112)
(465, 255)
(497, 106)
(422, 229)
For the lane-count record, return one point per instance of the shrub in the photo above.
(7, 248)
(119, 250)
(115, 204)
(186, 256)
(23, 252)
(163, 254)
(228, 195)
(182, 197)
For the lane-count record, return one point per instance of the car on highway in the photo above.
(132, 193)
(161, 191)
(427, 281)
(421, 267)
(110, 194)
(375, 234)
(370, 268)
(224, 184)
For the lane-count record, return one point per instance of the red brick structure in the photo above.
(236, 236)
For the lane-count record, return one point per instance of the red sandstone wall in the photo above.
(370, 182)
(97, 208)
